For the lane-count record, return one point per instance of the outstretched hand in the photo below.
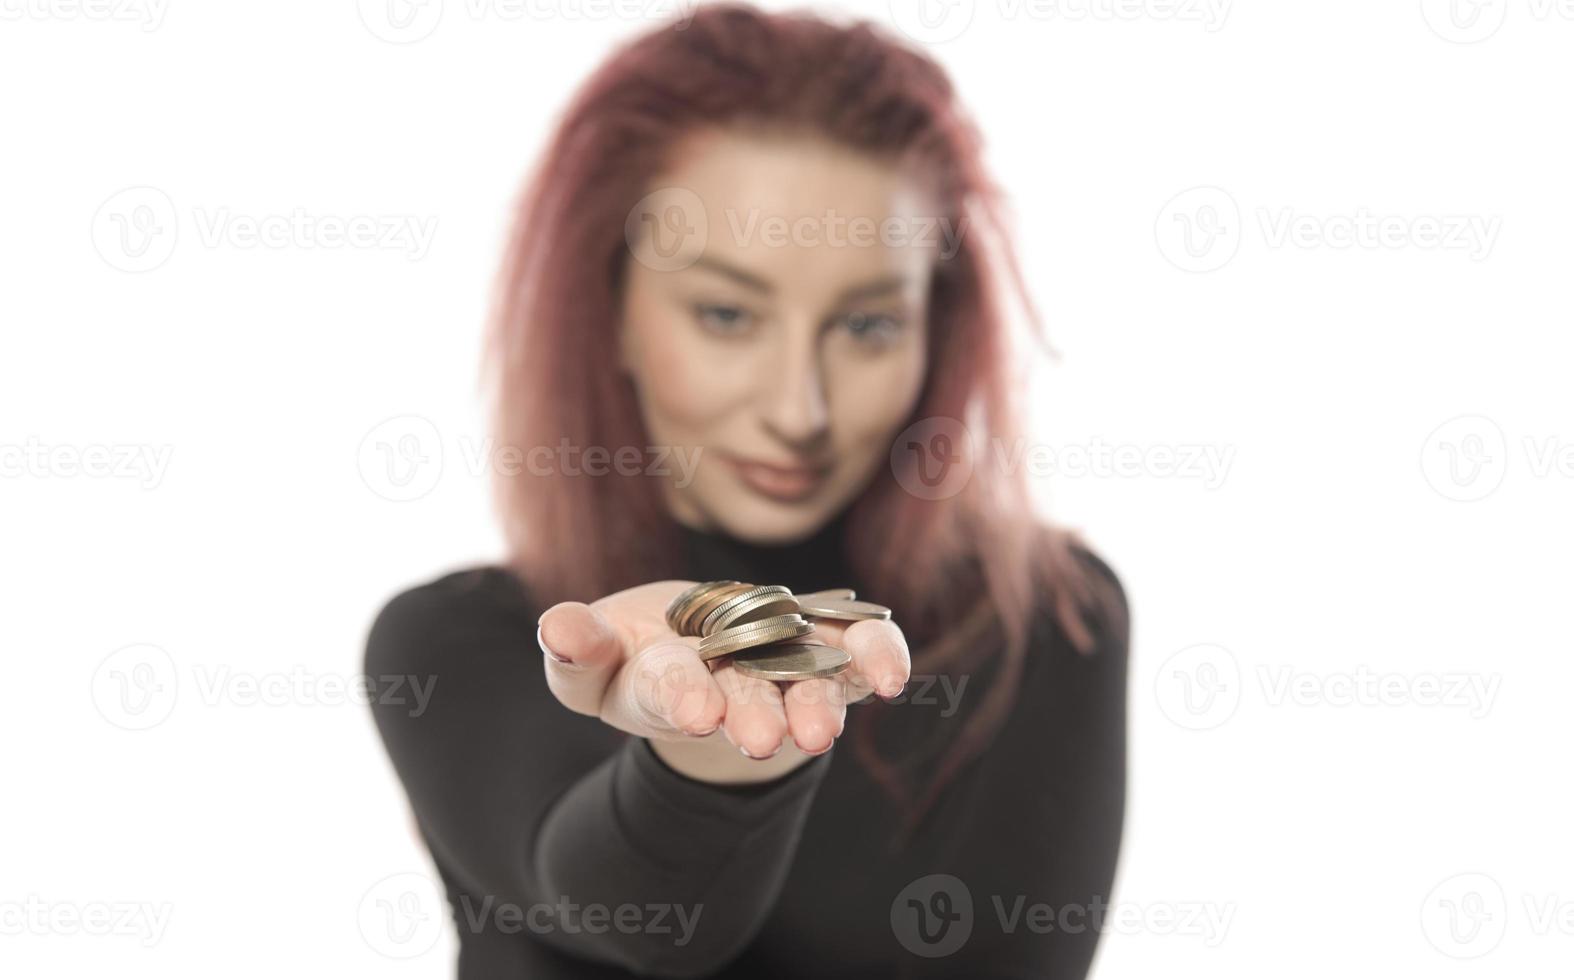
(617, 659)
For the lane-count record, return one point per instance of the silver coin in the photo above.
(828, 594)
(792, 661)
(754, 610)
(708, 624)
(843, 609)
(774, 630)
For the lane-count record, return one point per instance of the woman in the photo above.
(784, 403)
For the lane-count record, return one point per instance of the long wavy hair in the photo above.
(964, 575)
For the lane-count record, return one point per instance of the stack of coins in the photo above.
(759, 627)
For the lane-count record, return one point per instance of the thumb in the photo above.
(581, 651)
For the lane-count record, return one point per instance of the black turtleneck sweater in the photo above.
(569, 849)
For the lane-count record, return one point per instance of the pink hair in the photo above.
(963, 575)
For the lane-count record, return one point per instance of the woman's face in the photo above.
(773, 323)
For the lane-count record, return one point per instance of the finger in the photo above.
(665, 689)
(881, 661)
(816, 712)
(756, 720)
(581, 651)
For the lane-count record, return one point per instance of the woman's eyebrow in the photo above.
(746, 279)
(867, 290)
(873, 288)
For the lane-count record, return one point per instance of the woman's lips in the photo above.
(784, 483)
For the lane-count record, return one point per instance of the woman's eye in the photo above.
(872, 328)
(722, 319)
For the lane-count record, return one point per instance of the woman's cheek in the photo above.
(874, 404)
(684, 383)
(881, 393)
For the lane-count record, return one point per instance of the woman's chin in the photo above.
(763, 521)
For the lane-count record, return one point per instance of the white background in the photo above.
(1352, 650)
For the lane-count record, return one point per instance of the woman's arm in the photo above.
(527, 805)
(1067, 755)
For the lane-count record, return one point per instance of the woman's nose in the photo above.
(796, 410)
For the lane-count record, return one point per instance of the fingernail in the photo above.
(548, 650)
(701, 733)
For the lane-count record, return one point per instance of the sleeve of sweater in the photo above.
(1075, 745)
(524, 803)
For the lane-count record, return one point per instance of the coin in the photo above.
(706, 602)
(846, 609)
(773, 630)
(679, 604)
(745, 610)
(792, 661)
(733, 603)
(828, 594)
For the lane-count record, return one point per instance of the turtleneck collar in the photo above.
(816, 562)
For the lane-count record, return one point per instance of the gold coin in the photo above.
(774, 630)
(707, 602)
(844, 609)
(677, 607)
(792, 661)
(708, 624)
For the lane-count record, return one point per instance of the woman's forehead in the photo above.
(792, 176)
